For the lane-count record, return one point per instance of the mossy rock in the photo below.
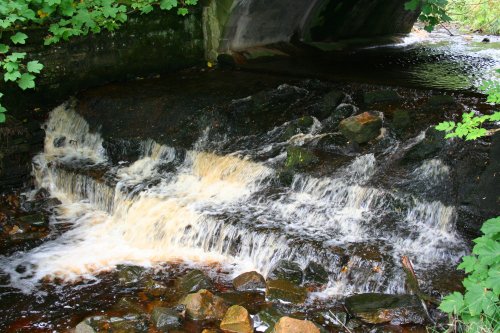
(315, 273)
(297, 126)
(299, 158)
(361, 128)
(129, 274)
(401, 119)
(165, 319)
(269, 317)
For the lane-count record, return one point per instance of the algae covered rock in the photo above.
(291, 325)
(249, 281)
(361, 128)
(375, 308)
(128, 274)
(203, 305)
(401, 119)
(237, 320)
(286, 291)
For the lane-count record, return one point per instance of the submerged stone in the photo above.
(165, 319)
(291, 325)
(249, 281)
(361, 128)
(128, 304)
(401, 119)
(287, 270)
(203, 305)
(192, 282)
(315, 273)
(237, 320)
(126, 323)
(286, 291)
(383, 308)
(155, 288)
(330, 101)
(433, 142)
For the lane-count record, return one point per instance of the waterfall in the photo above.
(204, 207)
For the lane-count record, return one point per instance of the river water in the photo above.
(155, 186)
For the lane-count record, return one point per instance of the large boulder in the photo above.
(237, 320)
(249, 281)
(287, 270)
(284, 290)
(203, 305)
(192, 282)
(361, 128)
(290, 325)
(430, 146)
(382, 308)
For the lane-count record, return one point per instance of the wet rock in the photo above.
(401, 119)
(250, 300)
(127, 323)
(485, 40)
(237, 320)
(335, 317)
(192, 282)
(342, 111)
(330, 101)
(440, 100)
(433, 142)
(297, 126)
(383, 308)
(155, 288)
(299, 158)
(286, 270)
(165, 319)
(59, 142)
(290, 325)
(42, 193)
(249, 281)
(203, 305)
(315, 273)
(128, 304)
(286, 291)
(35, 220)
(128, 274)
(381, 96)
(210, 330)
(269, 317)
(361, 128)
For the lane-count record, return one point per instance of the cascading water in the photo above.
(199, 206)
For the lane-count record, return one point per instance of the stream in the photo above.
(191, 171)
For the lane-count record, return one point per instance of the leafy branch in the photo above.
(433, 12)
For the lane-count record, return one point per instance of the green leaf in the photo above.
(11, 66)
(487, 249)
(2, 117)
(452, 303)
(493, 281)
(19, 38)
(182, 11)
(11, 76)
(4, 48)
(27, 81)
(445, 126)
(34, 66)
(473, 298)
(492, 226)
(468, 264)
(168, 4)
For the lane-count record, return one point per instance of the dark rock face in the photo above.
(382, 308)
(249, 281)
(434, 141)
(287, 270)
